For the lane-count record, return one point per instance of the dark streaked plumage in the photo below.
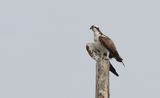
(108, 43)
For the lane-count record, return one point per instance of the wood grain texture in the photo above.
(102, 71)
(102, 78)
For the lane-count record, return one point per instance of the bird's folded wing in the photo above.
(108, 43)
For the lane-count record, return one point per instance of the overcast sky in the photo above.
(42, 47)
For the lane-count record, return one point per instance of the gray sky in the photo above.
(42, 47)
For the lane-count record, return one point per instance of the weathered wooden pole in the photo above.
(102, 71)
(102, 78)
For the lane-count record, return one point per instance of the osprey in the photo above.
(104, 47)
(104, 44)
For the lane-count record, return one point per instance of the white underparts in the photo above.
(98, 45)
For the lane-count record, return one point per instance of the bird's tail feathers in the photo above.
(113, 70)
(119, 59)
(123, 64)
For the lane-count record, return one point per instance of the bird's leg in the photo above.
(97, 52)
(107, 55)
(96, 55)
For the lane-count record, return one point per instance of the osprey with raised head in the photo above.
(103, 47)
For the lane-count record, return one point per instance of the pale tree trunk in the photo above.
(102, 78)
(102, 72)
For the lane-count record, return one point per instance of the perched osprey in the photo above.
(103, 47)
(104, 44)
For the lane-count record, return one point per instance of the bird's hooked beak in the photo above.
(91, 27)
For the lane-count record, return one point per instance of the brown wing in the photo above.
(108, 43)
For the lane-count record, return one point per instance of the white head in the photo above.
(96, 29)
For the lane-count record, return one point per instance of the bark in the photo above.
(102, 72)
(102, 78)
